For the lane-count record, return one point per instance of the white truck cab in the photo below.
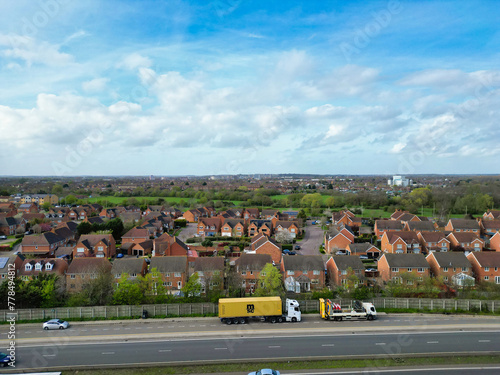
(292, 310)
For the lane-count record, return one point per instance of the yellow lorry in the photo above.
(239, 310)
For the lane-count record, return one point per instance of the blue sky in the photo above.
(243, 86)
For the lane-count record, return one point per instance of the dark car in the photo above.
(297, 247)
(5, 359)
(292, 253)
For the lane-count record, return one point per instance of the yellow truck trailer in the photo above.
(239, 310)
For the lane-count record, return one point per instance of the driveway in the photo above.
(188, 232)
(312, 240)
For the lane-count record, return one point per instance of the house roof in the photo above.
(233, 222)
(389, 224)
(451, 259)
(407, 217)
(211, 221)
(356, 248)
(90, 240)
(406, 260)
(5, 261)
(262, 240)
(491, 225)
(88, 265)
(486, 258)
(128, 265)
(465, 236)
(304, 263)
(344, 262)
(169, 264)
(58, 266)
(432, 236)
(464, 224)
(44, 239)
(408, 237)
(421, 226)
(253, 262)
(209, 264)
(137, 232)
(285, 223)
(259, 223)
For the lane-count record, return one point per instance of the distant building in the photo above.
(399, 181)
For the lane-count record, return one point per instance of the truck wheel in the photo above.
(229, 321)
(294, 320)
(235, 320)
(340, 318)
(273, 320)
(280, 319)
(369, 317)
(242, 321)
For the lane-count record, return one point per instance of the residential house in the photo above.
(28, 208)
(192, 216)
(262, 244)
(465, 241)
(419, 226)
(382, 226)
(400, 242)
(303, 273)
(172, 270)
(342, 217)
(268, 214)
(133, 267)
(450, 266)
(10, 263)
(338, 240)
(8, 225)
(44, 244)
(110, 213)
(84, 270)
(209, 226)
(489, 227)
(363, 249)
(8, 209)
(233, 228)
(342, 268)
(463, 225)
(251, 213)
(135, 235)
(32, 268)
(492, 215)
(167, 245)
(260, 226)
(291, 227)
(495, 242)
(95, 245)
(398, 267)
(210, 271)
(485, 265)
(433, 242)
(250, 267)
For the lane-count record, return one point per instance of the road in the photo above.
(312, 240)
(440, 370)
(188, 231)
(189, 327)
(59, 354)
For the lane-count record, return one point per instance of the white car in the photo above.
(55, 324)
(265, 371)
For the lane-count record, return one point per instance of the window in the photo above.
(410, 269)
(486, 278)
(420, 278)
(48, 266)
(167, 274)
(72, 276)
(344, 272)
(244, 273)
(454, 269)
(263, 273)
(80, 249)
(177, 274)
(117, 276)
(316, 272)
(133, 275)
(72, 286)
(314, 281)
(93, 276)
(486, 269)
(445, 269)
(290, 272)
(400, 246)
(497, 279)
(445, 278)
(409, 282)
(420, 270)
(251, 272)
(476, 245)
(464, 269)
(179, 284)
(394, 269)
(27, 267)
(100, 248)
(201, 273)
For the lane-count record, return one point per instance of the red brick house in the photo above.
(133, 267)
(268, 214)
(28, 208)
(291, 227)
(167, 245)
(400, 242)
(209, 226)
(465, 241)
(251, 213)
(262, 244)
(95, 245)
(83, 270)
(382, 226)
(109, 213)
(141, 249)
(303, 273)
(172, 270)
(419, 226)
(337, 240)
(135, 235)
(192, 216)
(8, 209)
(6, 266)
(486, 266)
(433, 242)
(449, 264)
(489, 227)
(8, 225)
(463, 225)
(392, 267)
(233, 228)
(491, 215)
(495, 242)
(44, 244)
(260, 226)
(250, 266)
(340, 268)
(365, 248)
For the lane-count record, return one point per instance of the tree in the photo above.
(57, 189)
(127, 292)
(99, 291)
(284, 236)
(270, 282)
(207, 243)
(84, 228)
(234, 282)
(192, 289)
(116, 227)
(302, 215)
(70, 199)
(330, 202)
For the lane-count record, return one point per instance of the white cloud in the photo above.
(95, 85)
(398, 148)
(135, 61)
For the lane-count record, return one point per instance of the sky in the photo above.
(173, 87)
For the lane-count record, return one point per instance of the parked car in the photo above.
(119, 255)
(292, 253)
(55, 324)
(2, 237)
(286, 251)
(265, 371)
(4, 359)
(363, 257)
(297, 247)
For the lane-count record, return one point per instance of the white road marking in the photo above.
(328, 345)
(107, 353)
(484, 340)
(49, 355)
(274, 346)
(164, 350)
(380, 343)
(220, 348)
(432, 342)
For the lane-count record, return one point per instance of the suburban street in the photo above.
(312, 240)
(64, 353)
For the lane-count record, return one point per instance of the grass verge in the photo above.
(437, 311)
(246, 367)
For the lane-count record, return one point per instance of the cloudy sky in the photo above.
(247, 86)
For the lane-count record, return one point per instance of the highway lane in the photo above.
(189, 326)
(453, 370)
(56, 354)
